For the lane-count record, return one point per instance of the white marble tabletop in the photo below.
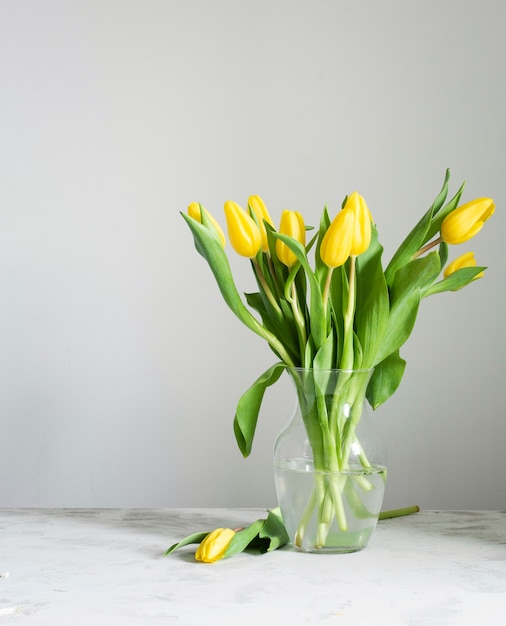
(73, 567)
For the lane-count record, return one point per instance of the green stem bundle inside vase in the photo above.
(336, 478)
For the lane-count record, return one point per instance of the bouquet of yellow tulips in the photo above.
(325, 302)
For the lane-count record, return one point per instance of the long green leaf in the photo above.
(400, 324)
(459, 279)
(437, 220)
(195, 538)
(405, 296)
(210, 248)
(372, 308)
(248, 408)
(325, 357)
(418, 236)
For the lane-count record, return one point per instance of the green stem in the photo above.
(407, 510)
(299, 320)
(427, 247)
(266, 288)
(272, 272)
(326, 288)
(348, 356)
(308, 512)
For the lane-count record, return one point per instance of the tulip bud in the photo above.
(194, 211)
(214, 545)
(260, 210)
(336, 244)
(465, 260)
(466, 221)
(292, 224)
(243, 233)
(362, 234)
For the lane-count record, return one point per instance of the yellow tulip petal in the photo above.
(465, 260)
(213, 547)
(466, 221)
(292, 224)
(337, 241)
(243, 233)
(362, 232)
(258, 207)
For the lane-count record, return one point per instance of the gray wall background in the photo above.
(120, 365)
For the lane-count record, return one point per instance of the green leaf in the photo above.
(372, 308)
(435, 226)
(210, 248)
(248, 408)
(325, 357)
(385, 380)
(195, 538)
(243, 538)
(443, 253)
(405, 296)
(418, 236)
(264, 535)
(459, 279)
(273, 531)
(400, 324)
(417, 274)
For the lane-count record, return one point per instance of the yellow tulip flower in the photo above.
(337, 242)
(465, 260)
(362, 235)
(243, 233)
(292, 224)
(260, 210)
(213, 547)
(194, 211)
(466, 221)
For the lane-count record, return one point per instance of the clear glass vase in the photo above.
(330, 463)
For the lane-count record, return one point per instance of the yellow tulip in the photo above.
(243, 233)
(465, 260)
(292, 224)
(214, 545)
(194, 211)
(337, 241)
(260, 210)
(362, 234)
(467, 220)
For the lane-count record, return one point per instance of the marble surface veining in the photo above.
(105, 567)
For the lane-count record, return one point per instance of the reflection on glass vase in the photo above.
(330, 463)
